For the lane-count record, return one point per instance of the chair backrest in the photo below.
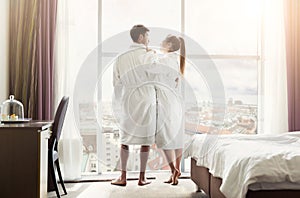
(58, 122)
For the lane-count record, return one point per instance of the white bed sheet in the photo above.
(242, 160)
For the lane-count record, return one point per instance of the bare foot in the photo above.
(143, 182)
(119, 182)
(170, 180)
(176, 175)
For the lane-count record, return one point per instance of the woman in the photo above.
(170, 111)
(170, 45)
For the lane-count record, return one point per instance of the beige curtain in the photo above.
(292, 14)
(31, 60)
(23, 17)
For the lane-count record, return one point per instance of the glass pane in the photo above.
(109, 147)
(241, 89)
(224, 27)
(239, 77)
(88, 131)
(119, 15)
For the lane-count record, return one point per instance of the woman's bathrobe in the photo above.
(169, 95)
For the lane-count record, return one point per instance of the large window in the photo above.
(118, 15)
(228, 31)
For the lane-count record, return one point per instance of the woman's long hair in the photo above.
(178, 43)
(182, 55)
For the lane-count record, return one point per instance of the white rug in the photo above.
(185, 189)
(157, 189)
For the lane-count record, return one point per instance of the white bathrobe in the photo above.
(170, 104)
(134, 101)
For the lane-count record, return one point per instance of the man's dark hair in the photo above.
(136, 31)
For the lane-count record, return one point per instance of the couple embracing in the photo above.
(149, 91)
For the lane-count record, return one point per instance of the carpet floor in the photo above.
(157, 189)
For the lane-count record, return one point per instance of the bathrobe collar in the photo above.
(137, 45)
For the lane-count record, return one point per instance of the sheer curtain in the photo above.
(76, 38)
(70, 145)
(274, 111)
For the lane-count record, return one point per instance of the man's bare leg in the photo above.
(124, 154)
(144, 153)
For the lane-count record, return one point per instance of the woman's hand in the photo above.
(176, 80)
(150, 50)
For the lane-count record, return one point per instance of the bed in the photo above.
(239, 166)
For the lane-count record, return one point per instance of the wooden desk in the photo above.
(24, 159)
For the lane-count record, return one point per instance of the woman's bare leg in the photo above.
(177, 173)
(178, 154)
(170, 159)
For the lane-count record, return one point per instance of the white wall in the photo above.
(4, 27)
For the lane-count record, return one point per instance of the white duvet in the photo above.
(241, 160)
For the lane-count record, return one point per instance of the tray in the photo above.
(16, 121)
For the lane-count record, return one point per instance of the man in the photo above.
(137, 100)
